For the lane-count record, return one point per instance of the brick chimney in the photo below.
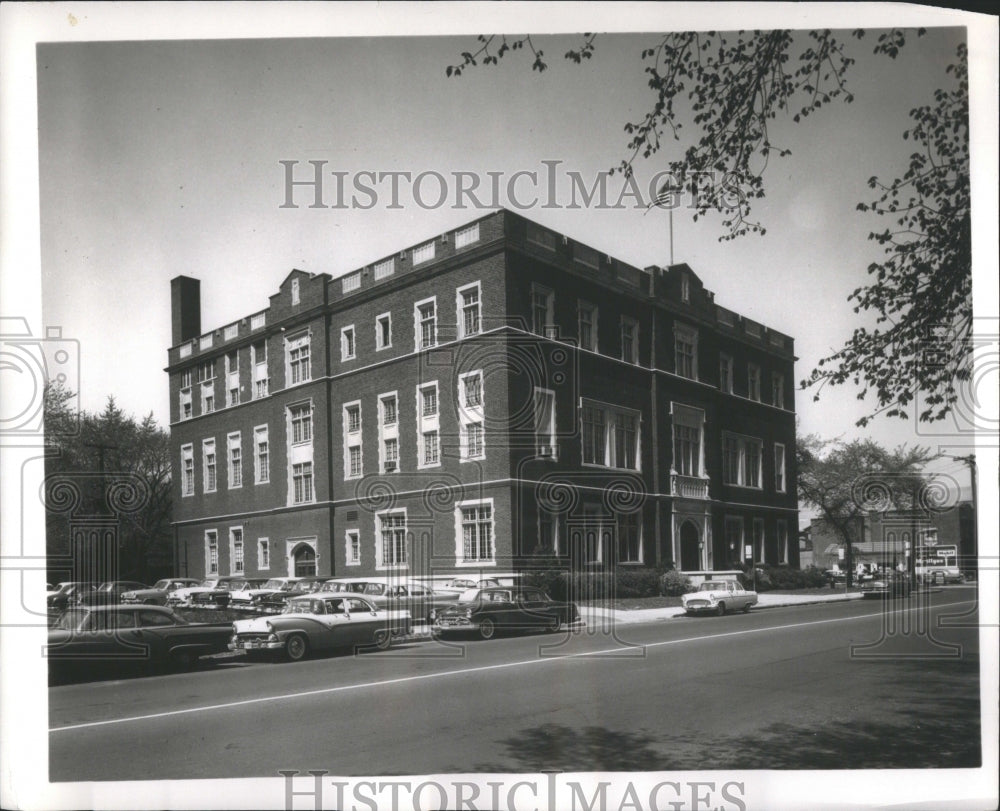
(185, 309)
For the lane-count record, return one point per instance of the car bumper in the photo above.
(255, 644)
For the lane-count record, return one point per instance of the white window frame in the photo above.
(233, 557)
(778, 390)
(380, 563)
(460, 561)
(208, 396)
(233, 377)
(352, 439)
(185, 405)
(544, 403)
(471, 415)
(388, 433)
(685, 336)
(263, 555)
(260, 381)
(780, 480)
(742, 442)
(688, 417)
(384, 269)
(418, 343)
(740, 543)
(461, 306)
(302, 343)
(208, 448)
(725, 373)
(467, 236)
(428, 423)
(546, 330)
(753, 382)
(352, 540)
(348, 343)
(301, 414)
(261, 472)
(379, 320)
(234, 470)
(757, 528)
(640, 553)
(556, 519)
(628, 321)
(187, 470)
(310, 478)
(781, 530)
(610, 414)
(212, 542)
(583, 306)
(423, 253)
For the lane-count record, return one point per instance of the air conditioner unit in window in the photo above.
(546, 451)
(390, 467)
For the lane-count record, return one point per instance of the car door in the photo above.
(338, 622)
(365, 620)
(536, 611)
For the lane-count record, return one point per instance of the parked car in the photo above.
(276, 585)
(459, 585)
(109, 593)
(887, 584)
(244, 597)
(513, 608)
(395, 594)
(213, 591)
(126, 634)
(718, 597)
(157, 594)
(318, 622)
(275, 602)
(64, 592)
(241, 592)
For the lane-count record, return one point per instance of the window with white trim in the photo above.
(471, 419)
(587, 325)
(208, 396)
(232, 378)
(758, 540)
(352, 547)
(686, 351)
(725, 374)
(300, 419)
(390, 455)
(688, 435)
(610, 435)
(353, 467)
(302, 483)
(733, 531)
(779, 467)
(475, 521)
(425, 323)
(262, 454)
(548, 530)
(542, 310)
(753, 381)
(629, 339)
(390, 529)
(778, 390)
(467, 236)
(235, 445)
(263, 554)
(685, 288)
(384, 269)
(630, 537)
(236, 550)
(186, 379)
(297, 349)
(387, 404)
(211, 551)
(470, 310)
(428, 425)
(206, 371)
(185, 407)
(383, 331)
(347, 346)
(388, 427)
(187, 470)
(423, 253)
(208, 465)
(545, 423)
(741, 460)
(782, 533)
(258, 357)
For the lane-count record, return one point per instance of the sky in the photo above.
(160, 158)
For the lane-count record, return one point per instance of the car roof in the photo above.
(119, 608)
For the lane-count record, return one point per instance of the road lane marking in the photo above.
(480, 669)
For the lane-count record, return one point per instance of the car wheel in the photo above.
(184, 659)
(296, 647)
(720, 609)
(553, 625)
(383, 640)
(746, 608)
(487, 629)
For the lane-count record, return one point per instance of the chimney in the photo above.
(185, 309)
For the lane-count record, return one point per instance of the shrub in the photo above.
(631, 582)
(674, 584)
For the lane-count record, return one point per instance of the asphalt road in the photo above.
(836, 685)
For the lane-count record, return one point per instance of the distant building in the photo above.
(461, 405)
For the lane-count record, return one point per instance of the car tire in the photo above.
(746, 608)
(383, 639)
(184, 659)
(487, 628)
(553, 626)
(296, 648)
(720, 609)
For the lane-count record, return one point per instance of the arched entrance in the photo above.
(303, 561)
(690, 555)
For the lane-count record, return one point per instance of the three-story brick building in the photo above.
(493, 393)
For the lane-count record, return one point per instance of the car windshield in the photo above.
(460, 583)
(106, 587)
(162, 584)
(208, 584)
(712, 585)
(274, 584)
(468, 596)
(303, 606)
(377, 589)
(70, 620)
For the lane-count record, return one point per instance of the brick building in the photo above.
(495, 392)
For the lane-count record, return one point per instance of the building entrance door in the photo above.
(304, 561)
(690, 557)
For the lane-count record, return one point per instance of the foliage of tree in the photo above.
(108, 464)
(729, 87)
(845, 482)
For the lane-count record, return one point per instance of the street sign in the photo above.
(840, 552)
(748, 551)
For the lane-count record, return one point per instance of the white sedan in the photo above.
(718, 597)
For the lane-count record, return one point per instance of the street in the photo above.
(776, 688)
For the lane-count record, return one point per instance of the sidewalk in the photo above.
(593, 615)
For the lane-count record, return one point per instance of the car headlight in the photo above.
(468, 613)
(270, 628)
(433, 614)
(129, 594)
(234, 630)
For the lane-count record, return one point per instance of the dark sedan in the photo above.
(486, 611)
(109, 593)
(130, 635)
(275, 602)
(59, 599)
